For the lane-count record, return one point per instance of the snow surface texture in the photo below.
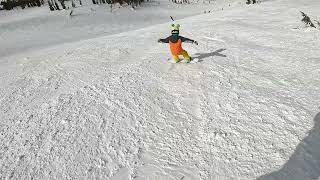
(34, 28)
(114, 108)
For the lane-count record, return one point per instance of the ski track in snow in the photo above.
(110, 108)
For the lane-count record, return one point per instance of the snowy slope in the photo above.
(113, 107)
(35, 28)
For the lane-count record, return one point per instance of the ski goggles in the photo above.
(175, 32)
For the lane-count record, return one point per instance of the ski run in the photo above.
(109, 105)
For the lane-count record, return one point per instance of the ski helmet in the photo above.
(175, 28)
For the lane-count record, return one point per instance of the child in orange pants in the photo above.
(175, 42)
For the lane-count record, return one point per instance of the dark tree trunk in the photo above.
(50, 6)
(57, 5)
(307, 20)
(63, 4)
(73, 4)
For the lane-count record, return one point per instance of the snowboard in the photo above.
(192, 61)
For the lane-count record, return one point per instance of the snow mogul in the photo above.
(175, 42)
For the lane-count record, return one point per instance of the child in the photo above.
(175, 42)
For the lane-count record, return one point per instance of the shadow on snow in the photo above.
(202, 56)
(304, 163)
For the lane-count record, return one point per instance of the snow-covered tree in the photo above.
(306, 20)
(10, 4)
(251, 1)
(56, 5)
(318, 23)
(63, 4)
(181, 1)
(51, 6)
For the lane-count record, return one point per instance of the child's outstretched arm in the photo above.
(187, 40)
(166, 40)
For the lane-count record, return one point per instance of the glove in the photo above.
(195, 42)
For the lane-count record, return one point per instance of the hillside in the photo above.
(33, 29)
(113, 107)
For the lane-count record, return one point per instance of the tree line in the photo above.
(54, 4)
(10, 4)
(133, 3)
(61, 4)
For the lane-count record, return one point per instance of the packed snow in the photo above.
(110, 106)
(35, 28)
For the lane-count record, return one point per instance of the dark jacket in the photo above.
(175, 39)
